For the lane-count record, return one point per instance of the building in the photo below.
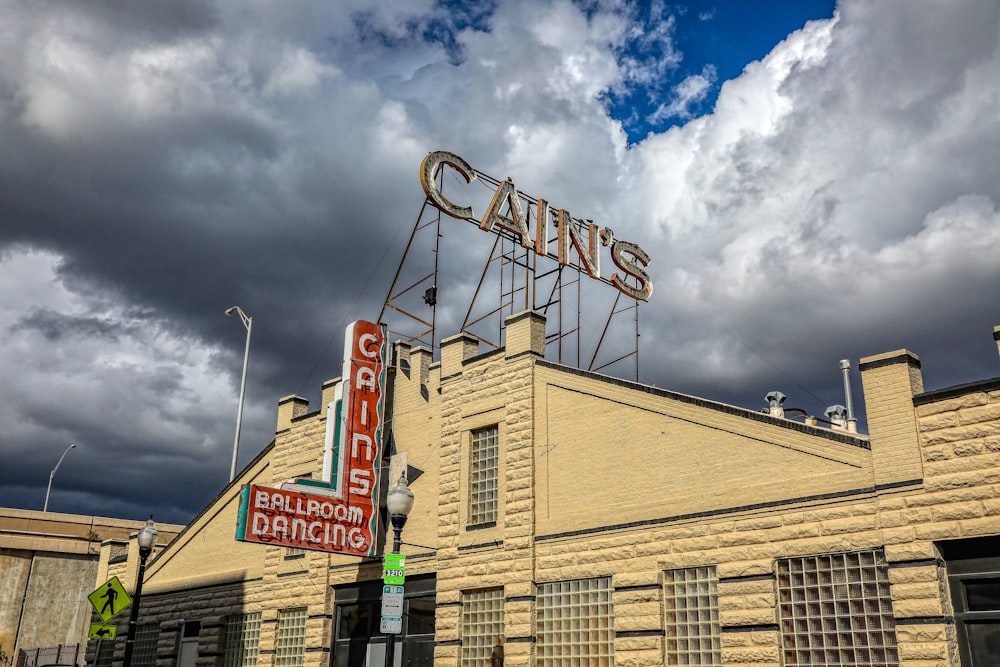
(48, 563)
(568, 518)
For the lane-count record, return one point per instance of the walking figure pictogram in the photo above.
(110, 594)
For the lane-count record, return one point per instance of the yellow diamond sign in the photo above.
(109, 599)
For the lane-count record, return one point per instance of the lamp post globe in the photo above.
(399, 500)
(147, 538)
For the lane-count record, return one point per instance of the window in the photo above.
(242, 640)
(836, 610)
(105, 653)
(691, 602)
(147, 636)
(290, 648)
(575, 624)
(483, 476)
(482, 625)
(972, 565)
(357, 639)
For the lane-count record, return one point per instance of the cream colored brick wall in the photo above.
(644, 456)
(890, 381)
(415, 427)
(600, 478)
(525, 332)
(491, 389)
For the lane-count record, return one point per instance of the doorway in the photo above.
(973, 568)
(357, 641)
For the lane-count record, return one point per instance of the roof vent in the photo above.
(837, 414)
(775, 399)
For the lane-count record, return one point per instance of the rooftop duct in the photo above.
(837, 414)
(852, 422)
(775, 399)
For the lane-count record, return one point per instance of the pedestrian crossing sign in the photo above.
(109, 599)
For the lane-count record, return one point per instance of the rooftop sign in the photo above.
(580, 237)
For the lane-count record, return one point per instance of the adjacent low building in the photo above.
(566, 518)
(48, 565)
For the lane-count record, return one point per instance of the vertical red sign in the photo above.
(359, 451)
(338, 514)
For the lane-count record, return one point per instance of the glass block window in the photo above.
(242, 640)
(836, 610)
(483, 461)
(482, 625)
(290, 647)
(105, 653)
(147, 636)
(575, 624)
(691, 603)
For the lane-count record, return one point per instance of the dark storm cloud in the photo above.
(164, 162)
(53, 326)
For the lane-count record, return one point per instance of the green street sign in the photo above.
(395, 569)
(109, 599)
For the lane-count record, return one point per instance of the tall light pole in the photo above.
(399, 502)
(52, 474)
(146, 539)
(248, 323)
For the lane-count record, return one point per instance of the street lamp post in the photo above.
(146, 539)
(52, 474)
(399, 502)
(248, 323)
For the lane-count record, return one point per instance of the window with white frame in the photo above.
(147, 636)
(483, 467)
(691, 606)
(575, 623)
(242, 640)
(482, 626)
(836, 610)
(290, 647)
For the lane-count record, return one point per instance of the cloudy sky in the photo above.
(813, 182)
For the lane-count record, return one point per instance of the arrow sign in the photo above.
(102, 632)
(392, 601)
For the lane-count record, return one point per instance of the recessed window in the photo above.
(575, 623)
(482, 626)
(105, 653)
(483, 464)
(691, 603)
(147, 636)
(290, 648)
(836, 610)
(242, 640)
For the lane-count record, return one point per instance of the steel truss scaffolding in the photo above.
(512, 278)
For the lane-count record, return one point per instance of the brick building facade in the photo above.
(568, 518)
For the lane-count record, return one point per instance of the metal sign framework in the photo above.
(522, 281)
